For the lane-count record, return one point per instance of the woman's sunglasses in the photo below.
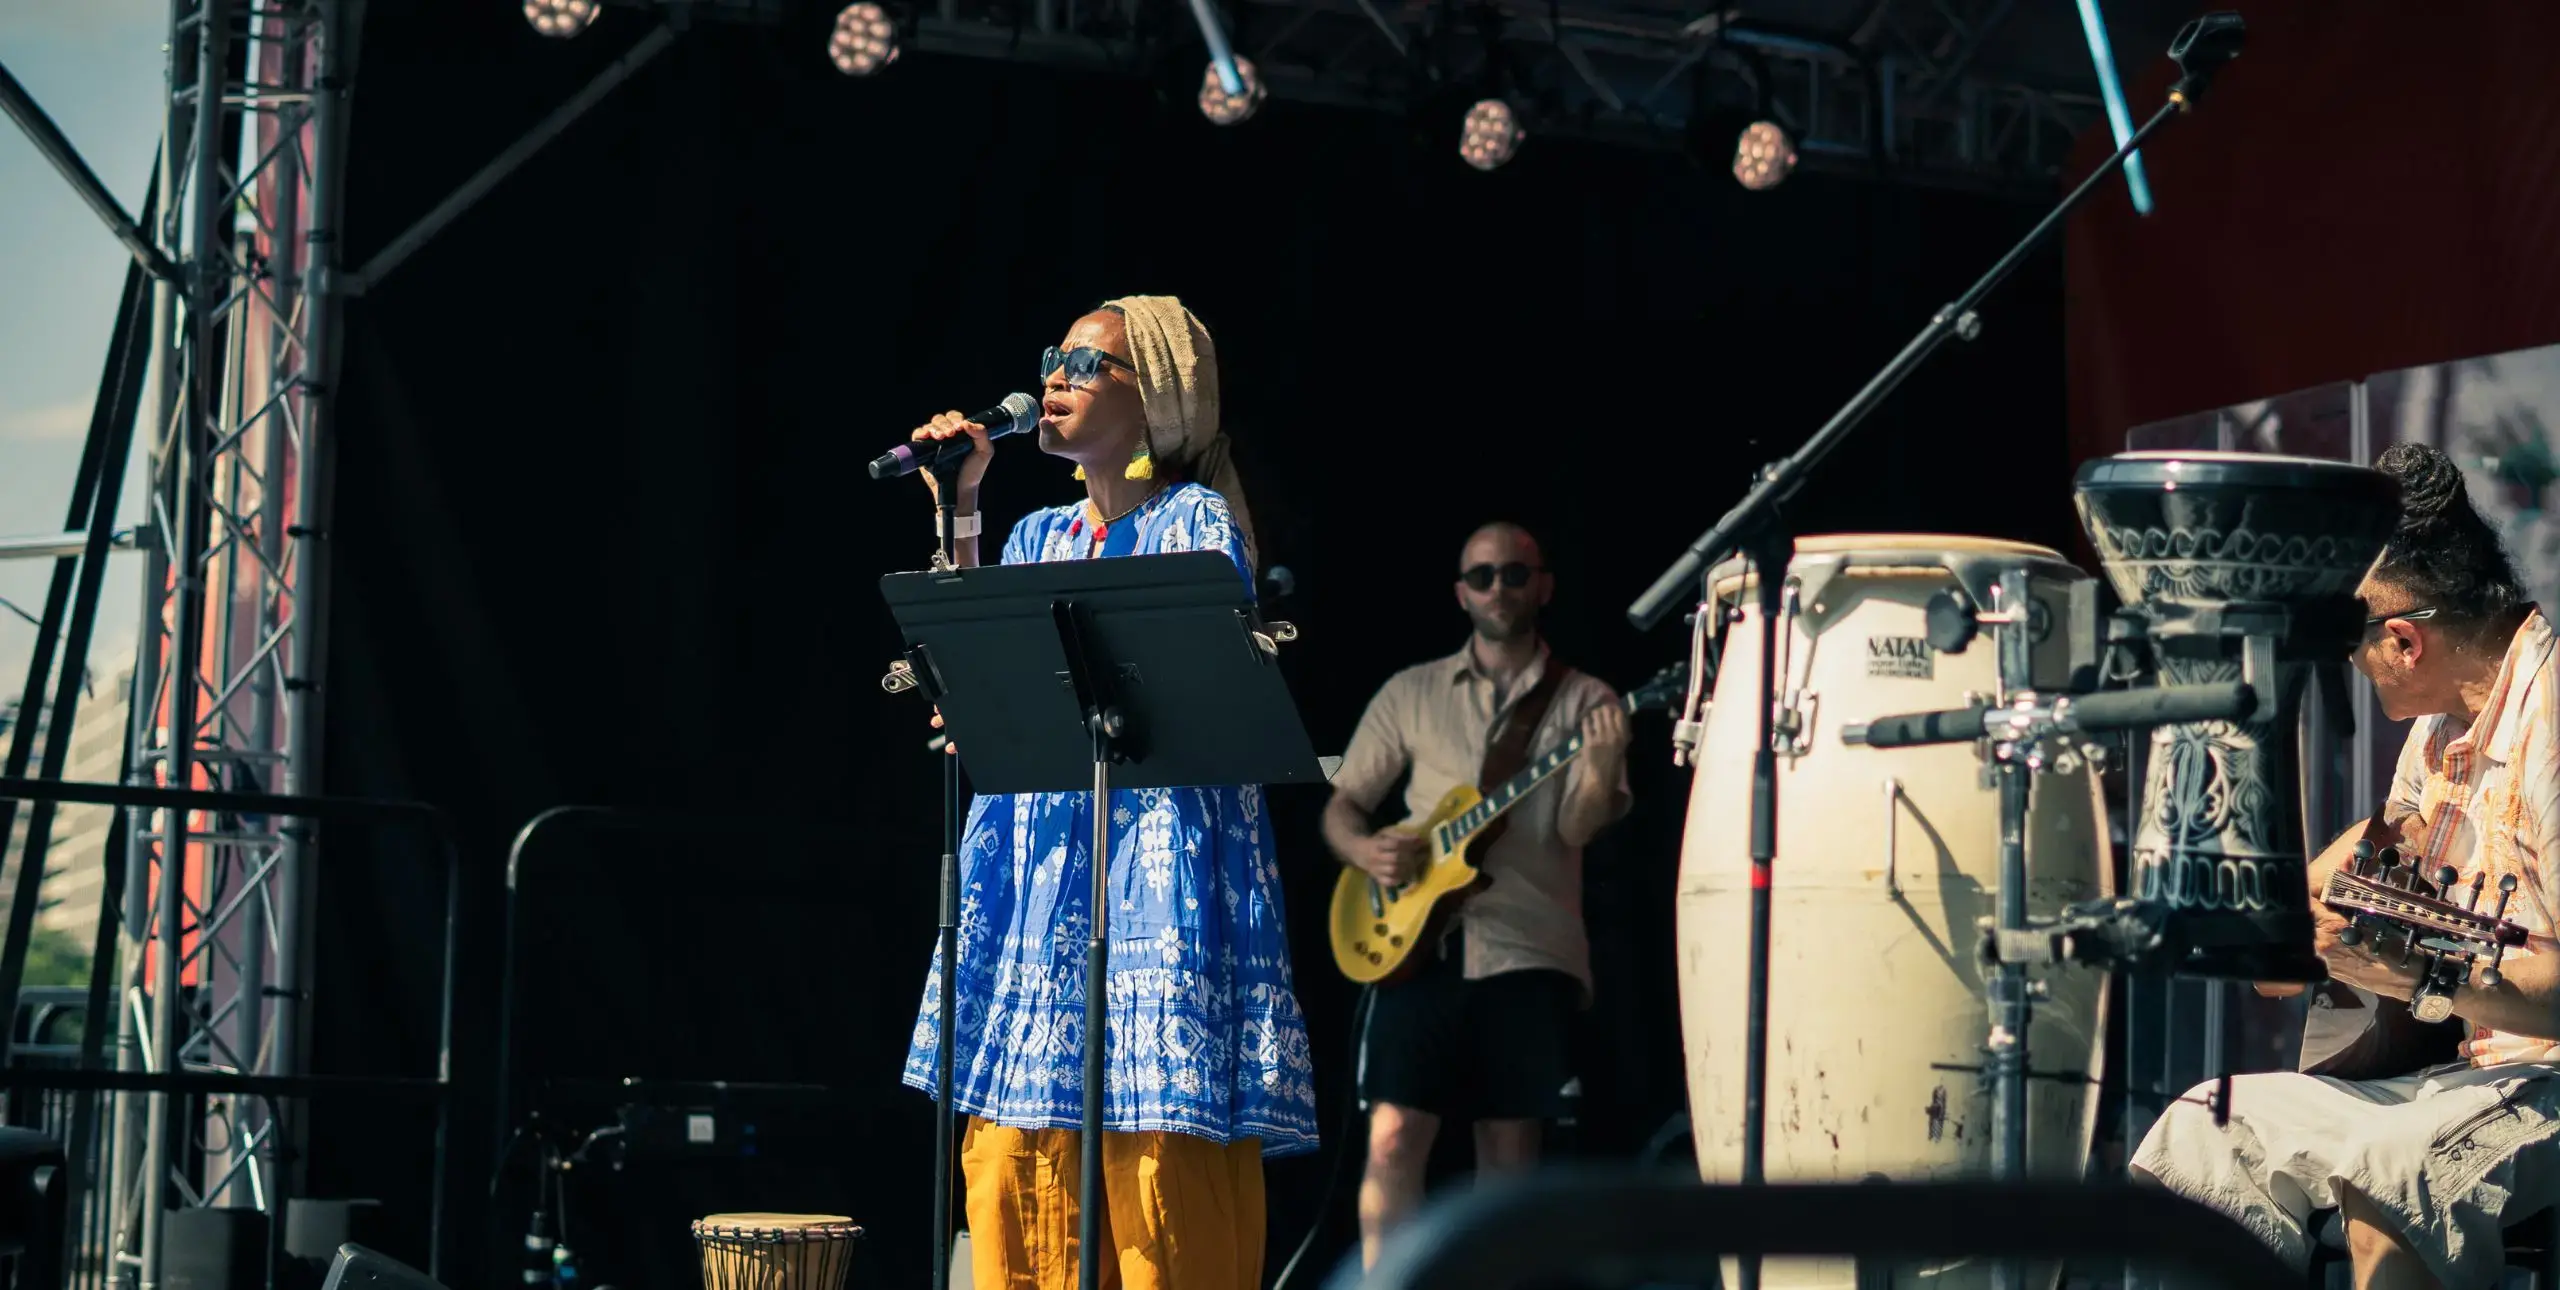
(1514, 574)
(1084, 365)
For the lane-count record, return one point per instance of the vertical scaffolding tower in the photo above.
(213, 951)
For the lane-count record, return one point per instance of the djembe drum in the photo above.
(775, 1251)
(2234, 567)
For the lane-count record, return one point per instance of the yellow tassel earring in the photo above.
(1079, 472)
(1142, 464)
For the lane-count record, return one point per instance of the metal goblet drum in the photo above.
(2237, 567)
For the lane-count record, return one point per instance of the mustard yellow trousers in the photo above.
(1181, 1212)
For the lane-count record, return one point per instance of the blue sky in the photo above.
(97, 67)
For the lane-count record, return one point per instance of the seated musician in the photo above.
(2425, 1167)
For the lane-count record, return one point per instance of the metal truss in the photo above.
(1901, 97)
(214, 936)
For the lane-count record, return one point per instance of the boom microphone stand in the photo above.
(2200, 50)
(946, 493)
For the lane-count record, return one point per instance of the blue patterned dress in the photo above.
(1205, 1036)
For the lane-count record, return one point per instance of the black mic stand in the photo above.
(2200, 50)
(946, 492)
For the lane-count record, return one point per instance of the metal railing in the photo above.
(40, 1069)
(46, 1031)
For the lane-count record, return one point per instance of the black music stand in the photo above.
(1089, 675)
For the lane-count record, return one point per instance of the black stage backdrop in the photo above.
(603, 536)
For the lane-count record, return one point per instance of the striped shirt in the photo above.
(2484, 797)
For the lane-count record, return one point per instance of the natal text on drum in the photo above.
(1887, 861)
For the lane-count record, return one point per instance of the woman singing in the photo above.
(1208, 1069)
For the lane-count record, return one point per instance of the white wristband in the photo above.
(962, 526)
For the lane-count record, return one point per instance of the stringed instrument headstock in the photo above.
(2389, 904)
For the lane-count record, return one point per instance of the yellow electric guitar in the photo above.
(1375, 926)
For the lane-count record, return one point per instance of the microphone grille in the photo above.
(1025, 410)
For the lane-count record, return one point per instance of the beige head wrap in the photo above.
(1178, 383)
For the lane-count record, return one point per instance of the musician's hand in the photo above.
(2326, 925)
(1389, 856)
(973, 470)
(1604, 741)
(949, 749)
(2356, 965)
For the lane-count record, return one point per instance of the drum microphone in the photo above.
(2163, 705)
(1018, 412)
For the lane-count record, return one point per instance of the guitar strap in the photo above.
(1509, 754)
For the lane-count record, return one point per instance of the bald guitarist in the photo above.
(1481, 1028)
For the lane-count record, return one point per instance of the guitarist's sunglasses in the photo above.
(1514, 574)
(1083, 365)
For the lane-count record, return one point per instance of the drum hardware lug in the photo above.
(1951, 623)
(1892, 837)
(2258, 663)
(1811, 579)
(1684, 741)
(1792, 725)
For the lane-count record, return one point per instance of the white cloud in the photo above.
(67, 420)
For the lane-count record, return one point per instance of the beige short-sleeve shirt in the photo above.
(2484, 797)
(1439, 719)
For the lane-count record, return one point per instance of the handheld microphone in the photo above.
(1018, 412)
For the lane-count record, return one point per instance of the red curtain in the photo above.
(2372, 185)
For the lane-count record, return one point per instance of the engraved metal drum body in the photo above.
(1887, 861)
(2225, 555)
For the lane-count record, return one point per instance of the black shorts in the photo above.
(1497, 1048)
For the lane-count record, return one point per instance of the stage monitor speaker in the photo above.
(358, 1268)
(315, 1229)
(213, 1249)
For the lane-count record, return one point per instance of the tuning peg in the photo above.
(2489, 978)
(2446, 875)
(2361, 862)
(2476, 880)
(2351, 934)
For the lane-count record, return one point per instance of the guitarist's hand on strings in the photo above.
(1604, 742)
(1389, 856)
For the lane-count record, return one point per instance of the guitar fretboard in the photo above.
(1503, 798)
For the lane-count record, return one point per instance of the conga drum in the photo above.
(2222, 555)
(1887, 861)
(775, 1251)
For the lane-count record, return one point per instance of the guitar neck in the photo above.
(1509, 794)
(2417, 910)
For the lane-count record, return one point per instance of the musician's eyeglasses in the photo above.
(2414, 615)
(1084, 365)
(1514, 574)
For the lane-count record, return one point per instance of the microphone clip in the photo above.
(2201, 49)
